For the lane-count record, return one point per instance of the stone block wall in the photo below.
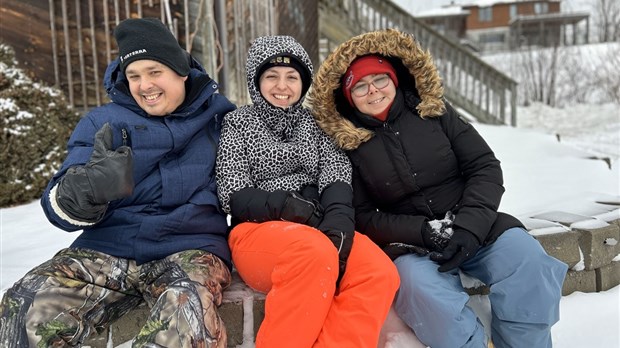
(242, 311)
(589, 247)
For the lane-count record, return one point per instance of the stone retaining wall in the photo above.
(588, 245)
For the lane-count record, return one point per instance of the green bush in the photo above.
(36, 124)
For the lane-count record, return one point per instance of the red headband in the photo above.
(364, 66)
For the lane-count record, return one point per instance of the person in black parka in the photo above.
(427, 189)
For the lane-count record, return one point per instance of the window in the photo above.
(485, 14)
(440, 27)
(513, 11)
(541, 7)
(492, 38)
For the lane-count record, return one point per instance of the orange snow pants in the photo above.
(297, 267)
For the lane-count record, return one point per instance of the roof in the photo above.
(488, 3)
(561, 17)
(447, 11)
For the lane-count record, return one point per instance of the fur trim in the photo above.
(389, 43)
(56, 208)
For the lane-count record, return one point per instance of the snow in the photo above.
(541, 176)
(559, 163)
(417, 6)
(443, 11)
(599, 322)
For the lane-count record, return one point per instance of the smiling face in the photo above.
(377, 100)
(157, 89)
(281, 86)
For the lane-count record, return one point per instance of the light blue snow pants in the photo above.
(525, 284)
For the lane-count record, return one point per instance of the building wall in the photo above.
(300, 19)
(74, 54)
(25, 26)
(248, 19)
(451, 26)
(69, 44)
(501, 13)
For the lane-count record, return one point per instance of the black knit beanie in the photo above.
(290, 61)
(149, 38)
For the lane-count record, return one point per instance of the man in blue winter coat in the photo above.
(139, 181)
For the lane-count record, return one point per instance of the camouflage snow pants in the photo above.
(79, 292)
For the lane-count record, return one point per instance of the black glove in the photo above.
(84, 191)
(395, 250)
(338, 223)
(462, 246)
(437, 233)
(257, 205)
(298, 209)
(344, 245)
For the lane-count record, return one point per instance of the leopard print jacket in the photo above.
(271, 148)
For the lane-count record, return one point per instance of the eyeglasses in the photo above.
(362, 89)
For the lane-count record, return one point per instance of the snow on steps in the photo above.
(586, 240)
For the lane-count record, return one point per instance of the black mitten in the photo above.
(298, 209)
(395, 250)
(257, 205)
(462, 246)
(437, 233)
(84, 191)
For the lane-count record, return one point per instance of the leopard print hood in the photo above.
(412, 63)
(261, 51)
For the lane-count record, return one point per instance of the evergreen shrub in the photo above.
(36, 123)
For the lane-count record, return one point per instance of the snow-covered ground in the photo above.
(540, 174)
(418, 6)
(593, 128)
(544, 174)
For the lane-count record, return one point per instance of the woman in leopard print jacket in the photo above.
(288, 190)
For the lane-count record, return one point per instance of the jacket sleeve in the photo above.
(337, 201)
(338, 214)
(256, 205)
(232, 166)
(79, 150)
(384, 228)
(334, 165)
(477, 209)
(335, 188)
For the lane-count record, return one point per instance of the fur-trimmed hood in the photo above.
(415, 70)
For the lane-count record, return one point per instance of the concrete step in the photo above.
(238, 300)
(588, 245)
